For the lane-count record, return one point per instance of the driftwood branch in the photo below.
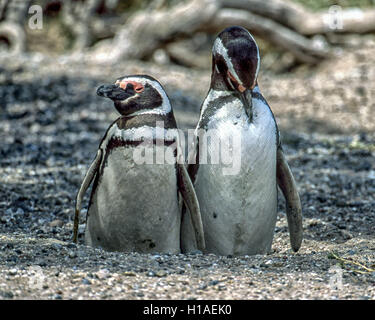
(306, 22)
(304, 49)
(77, 17)
(283, 23)
(147, 31)
(14, 36)
(12, 15)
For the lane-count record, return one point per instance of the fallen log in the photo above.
(14, 35)
(145, 32)
(295, 16)
(304, 49)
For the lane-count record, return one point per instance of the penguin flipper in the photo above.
(90, 174)
(187, 191)
(288, 186)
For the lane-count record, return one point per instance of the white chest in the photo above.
(233, 142)
(239, 198)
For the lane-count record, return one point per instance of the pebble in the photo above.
(151, 274)
(103, 274)
(13, 272)
(7, 294)
(202, 286)
(161, 273)
(56, 223)
(213, 282)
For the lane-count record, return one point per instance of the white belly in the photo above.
(135, 207)
(239, 210)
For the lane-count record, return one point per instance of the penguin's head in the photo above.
(236, 58)
(136, 94)
(236, 62)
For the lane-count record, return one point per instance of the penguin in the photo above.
(239, 208)
(134, 204)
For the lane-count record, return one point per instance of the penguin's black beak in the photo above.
(247, 99)
(113, 92)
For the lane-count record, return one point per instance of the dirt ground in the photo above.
(51, 123)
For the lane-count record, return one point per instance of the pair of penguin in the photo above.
(135, 206)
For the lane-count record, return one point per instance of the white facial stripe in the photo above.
(164, 109)
(220, 49)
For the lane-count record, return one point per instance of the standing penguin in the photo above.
(239, 210)
(134, 203)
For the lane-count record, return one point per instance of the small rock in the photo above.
(12, 272)
(7, 294)
(41, 263)
(56, 223)
(213, 282)
(20, 211)
(161, 273)
(346, 235)
(202, 286)
(72, 245)
(56, 246)
(103, 274)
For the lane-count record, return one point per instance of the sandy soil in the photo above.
(51, 122)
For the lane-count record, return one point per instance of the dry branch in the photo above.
(77, 17)
(304, 49)
(15, 36)
(12, 15)
(305, 22)
(147, 31)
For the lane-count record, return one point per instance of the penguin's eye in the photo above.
(139, 88)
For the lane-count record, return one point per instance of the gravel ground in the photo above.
(51, 122)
